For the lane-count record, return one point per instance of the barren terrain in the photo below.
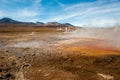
(82, 54)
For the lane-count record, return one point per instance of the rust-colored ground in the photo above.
(57, 56)
(89, 47)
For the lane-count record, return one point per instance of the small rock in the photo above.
(105, 76)
(46, 75)
(39, 70)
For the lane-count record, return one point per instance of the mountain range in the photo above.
(6, 21)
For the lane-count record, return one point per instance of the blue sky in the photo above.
(88, 13)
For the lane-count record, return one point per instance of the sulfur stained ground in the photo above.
(56, 56)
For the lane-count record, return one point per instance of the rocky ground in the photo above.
(12, 67)
(52, 56)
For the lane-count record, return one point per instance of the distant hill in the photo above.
(7, 21)
(68, 24)
(8, 24)
(11, 21)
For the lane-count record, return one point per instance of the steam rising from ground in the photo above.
(111, 35)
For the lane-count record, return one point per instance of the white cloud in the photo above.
(37, 3)
(26, 13)
(61, 4)
(1, 13)
(101, 23)
(31, 19)
(83, 13)
(97, 23)
(81, 5)
(98, 13)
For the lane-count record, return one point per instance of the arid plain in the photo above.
(81, 54)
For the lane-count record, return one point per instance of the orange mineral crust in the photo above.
(92, 47)
(90, 51)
